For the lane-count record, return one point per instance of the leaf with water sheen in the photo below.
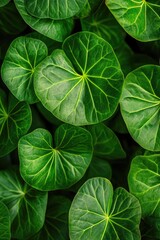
(82, 83)
(140, 18)
(26, 205)
(140, 106)
(98, 213)
(15, 121)
(5, 222)
(23, 55)
(48, 167)
(144, 183)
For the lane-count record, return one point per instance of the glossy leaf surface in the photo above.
(5, 223)
(26, 205)
(144, 183)
(56, 30)
(23, 55)
(82, 84)
(140, 106)
(98, 213)
(48, 167)
(136, 17)
(15, 121)
(54, 9)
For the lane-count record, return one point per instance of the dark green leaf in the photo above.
(48, 168)
(4, 2)
(5, 223)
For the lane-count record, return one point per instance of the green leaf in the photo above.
(98, 213)
(104, 25)
(140, 106)
(56, 221)
(137, 17)
(10, 20)
(4, 2)
(26, 205)
(48, 168)
(23, 55)
(106, 143)
(54, 9)
(89, 8)
(57, 30)
(144, 183)
(15, 121)
(4, 222)
(81, 84)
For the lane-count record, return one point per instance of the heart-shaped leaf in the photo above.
(48, 168)
(98, 213)
(54, 9)
(23, 55)
(144, 183)
(82, 84)
(136, 17)
(15, 121)
(5, 223)
(140, 106)
(57, 30)
(26, 205)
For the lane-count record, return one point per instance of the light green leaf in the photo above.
(4, 2)
(56, 221)
(47, 167)
(23, 55)
(98, 213)
(104, 25)
(15, 121)
(4, 222)
(140, 106)
(57, 30)
(82, 84)
(144, 183)
(106, 143)
(54, 9)
(26, 205)
(140, 18)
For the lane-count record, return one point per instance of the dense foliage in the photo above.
(80, 120)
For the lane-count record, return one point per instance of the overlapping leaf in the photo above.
(48, 167)
(82, 84)
(140, 106)
(5, 223)
(27, 206)
(144, 183)
(98, 213)
(140, 18)
(55, 29)
(19, 64)
(15, 121)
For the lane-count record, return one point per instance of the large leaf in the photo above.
(5, 223)
(140, 106)
(26, 205)
(4, 2)
(104, 25)
(15, 121)
(106, 143)
(56, 221)
(19, 64)
(55, 29)
(48, 167)
(54, 9)
(140, 18)
(82, 84)
(144, 183)
(98, 213)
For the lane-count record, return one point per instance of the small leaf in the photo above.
(26, 205)
(15, 121)
(23, 55)
(144, 183)
(4, 222)
(82, 84)
(48, 168)
(98, 213)
(140, 106)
